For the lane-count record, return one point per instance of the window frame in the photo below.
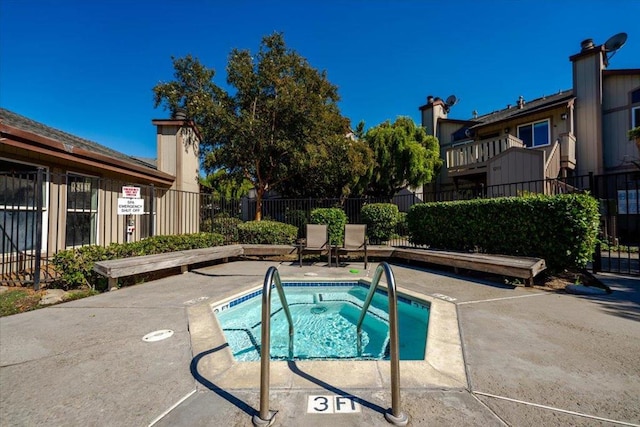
(532, 125)
(26, 208)
(94, 235)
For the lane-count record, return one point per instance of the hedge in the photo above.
(381, 220)
(75, 266)
(267, 233)
(561, 229)
(335, 218)
(224, 225)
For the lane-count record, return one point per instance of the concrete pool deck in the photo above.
(530, 357)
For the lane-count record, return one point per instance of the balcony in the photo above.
(473, 156)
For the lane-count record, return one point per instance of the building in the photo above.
(60, 191)
(571, 133)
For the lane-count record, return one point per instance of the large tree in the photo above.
(405, 156)
(270, 127)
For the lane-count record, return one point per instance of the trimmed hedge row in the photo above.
(561, 229)
(267, 233)
(75, 266)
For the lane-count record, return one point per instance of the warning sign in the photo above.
(131, 192)
(130, 206)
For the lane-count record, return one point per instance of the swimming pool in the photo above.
(325, 316)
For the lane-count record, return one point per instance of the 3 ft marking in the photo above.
(332, 405)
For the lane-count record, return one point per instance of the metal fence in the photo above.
(42, 213)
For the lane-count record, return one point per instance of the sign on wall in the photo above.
(130, 206)
(130, 192)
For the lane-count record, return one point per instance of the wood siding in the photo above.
(618, 150)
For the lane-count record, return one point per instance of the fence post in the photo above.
(151, 207)
(38, 231)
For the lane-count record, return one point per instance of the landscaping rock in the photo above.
(52, 296)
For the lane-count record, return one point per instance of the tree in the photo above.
(224, 186)
(404, 156)
(270, 128)
(334, 172)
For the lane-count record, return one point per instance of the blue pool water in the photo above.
(324, 316)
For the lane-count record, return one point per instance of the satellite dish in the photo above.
(614, 43)
(451, 100)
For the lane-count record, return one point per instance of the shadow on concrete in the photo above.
(430, 268)
(243, 406)
(623, 301)
(294, 368)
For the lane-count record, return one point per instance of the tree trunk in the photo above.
(259, 194)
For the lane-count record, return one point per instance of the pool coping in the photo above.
(443, 367)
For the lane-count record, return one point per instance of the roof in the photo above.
(70, 141)
(530, 107)
(26, 134)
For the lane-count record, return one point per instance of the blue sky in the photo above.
(88, 67)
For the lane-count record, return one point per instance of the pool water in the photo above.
(324, 320)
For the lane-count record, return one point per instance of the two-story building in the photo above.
(571, 133)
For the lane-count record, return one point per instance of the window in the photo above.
(82, 210)
(18, 207)
(535, 134)
(635, 109)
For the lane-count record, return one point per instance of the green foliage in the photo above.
(402, 228)
(561, 229)
(404, 156)
(334, 170)
(224, 225)
(267, 233)
(75, 266)
(222, 184)
(335, 218)
(381, 220)
(279, 117)
(634, 133)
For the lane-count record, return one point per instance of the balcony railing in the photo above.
(466, 158)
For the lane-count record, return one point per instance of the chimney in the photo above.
(587, 44)
(520, 102)
(474, 114)
(588, 66)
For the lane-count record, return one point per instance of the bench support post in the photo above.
(113, 283)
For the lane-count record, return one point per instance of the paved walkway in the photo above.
(532, 358)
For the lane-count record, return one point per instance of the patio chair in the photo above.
(355, 240)
(317, 241)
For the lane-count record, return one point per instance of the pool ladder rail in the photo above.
(266, 417)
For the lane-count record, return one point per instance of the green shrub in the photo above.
(75, 266)
(267, 233)
(381, 220)
(402, 228)
(224, 225)
(335, 219)
(561, 229)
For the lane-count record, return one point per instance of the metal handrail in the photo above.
(396, 417)
(266, 417)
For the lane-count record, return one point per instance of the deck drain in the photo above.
(160, 335)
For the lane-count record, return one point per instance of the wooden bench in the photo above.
(114, 269)
(520, 267)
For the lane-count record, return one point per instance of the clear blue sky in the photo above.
(88, 67)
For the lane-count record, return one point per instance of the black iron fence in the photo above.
(42, 213)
